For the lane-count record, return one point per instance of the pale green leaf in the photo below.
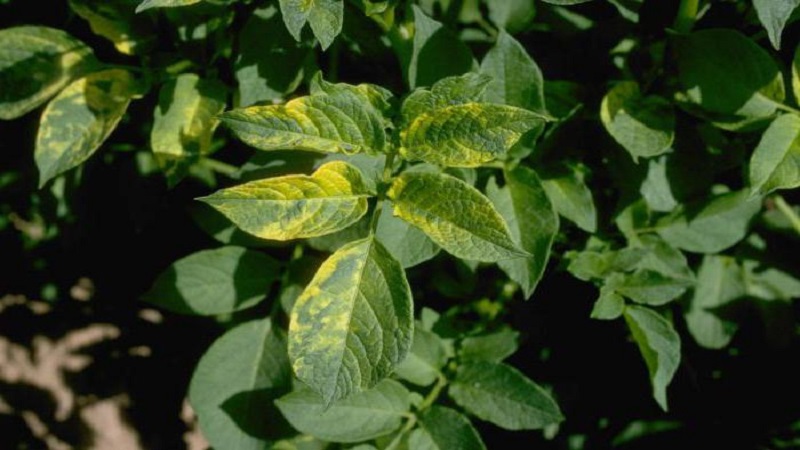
(435, 53)
(443, 428)
(341, 120)
(753, 85)
(407, 244)
(796, 74)
(147, 4)
(651, 288)
(116, 21)
(455, 90)
(609, 304)
(36, 63)
(353, 323)
(660, 346)
(466, 135)
(533, 223)
(324, 16)
(664, 259)
(453, 214)
(234, 384)
(710, 226)
(296, 206)
(595, 264)
(656, 189)
(216, 281)
(360, 417)
(775, 163)
(571, 198)
(512, 15)
(184, 123)
(504, 396)
(427, 356)
(79, 119)
(302, 442)
(493, 347)
(516, 78)
(774, 14)
(719, 282)
(268, 65)
(643, 126)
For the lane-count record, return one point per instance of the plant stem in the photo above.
(408, 426)
(787, 108)
(789, 212)
(386, 178)
(434, 393)
(221, 167)
(687, 15)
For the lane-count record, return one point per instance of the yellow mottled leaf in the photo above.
(79, 120)
(353, 323)
(36, 63)
(453, 214)
(296, 206)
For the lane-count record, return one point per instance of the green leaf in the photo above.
(36, 63)
(493, 347)
(516, 78)
(450, 91)
(296, 206)
(512, 15)
(147, 4)
(664, 259)
(775, 163)
(268, 65)
(774, 15)
(566, 2)
(324, 16)
(407, 244)
(533, 223)
(116, 21)
(442, 428)
(651, 288)
(504, 396)
(609, 304)
(353, 323)
(453, 214)
(570, 196)
(656, 189)
(753, 85)
(184, 123)
(343, 119)
(660, 346)
(710, 226)
(466, 135)
(593, 264)
(77, 122)
(360, 417)
(643, 126)
(719, 282)
(796, 74)
(427, 356)
(216, 281)
(435, 52)
(234, 384)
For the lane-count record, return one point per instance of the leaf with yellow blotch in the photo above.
(353, 323)
(296, 206)
(79, 120)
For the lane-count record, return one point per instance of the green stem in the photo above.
(434, 393)
(787, 108)
(221, 167)
(408, 426)
(687, 15)
(386, 178)
(789, 212)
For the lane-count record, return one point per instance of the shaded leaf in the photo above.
(444, 429)
(512, 15)
(643, 126)
(427, 356)
(36, 63)
(296, 206)
(79, 120)
(651, 288)
(504, 396)
(775, 163)
(435, 52)
(147, 4)
(660, 346)
(570, 196)
(324, 16)
(407, 244)
(360, 417)
(516, 78)
(216, 281)
(184, 123)
(353, 323)
(116, 21)
(533, 224)
(719, 282)
(453, 214)
(234, 384)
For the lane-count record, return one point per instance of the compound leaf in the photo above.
(324, 16)
(453, 214)
(353, 323)
(296, 206)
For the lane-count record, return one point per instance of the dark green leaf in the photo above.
(216, 281)
(651, 288)
(493, 347)
(570, 196)
(435, 52)
(116, 21)
(147, 4)
(427, 356)
(512, 15)
(444, 429)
